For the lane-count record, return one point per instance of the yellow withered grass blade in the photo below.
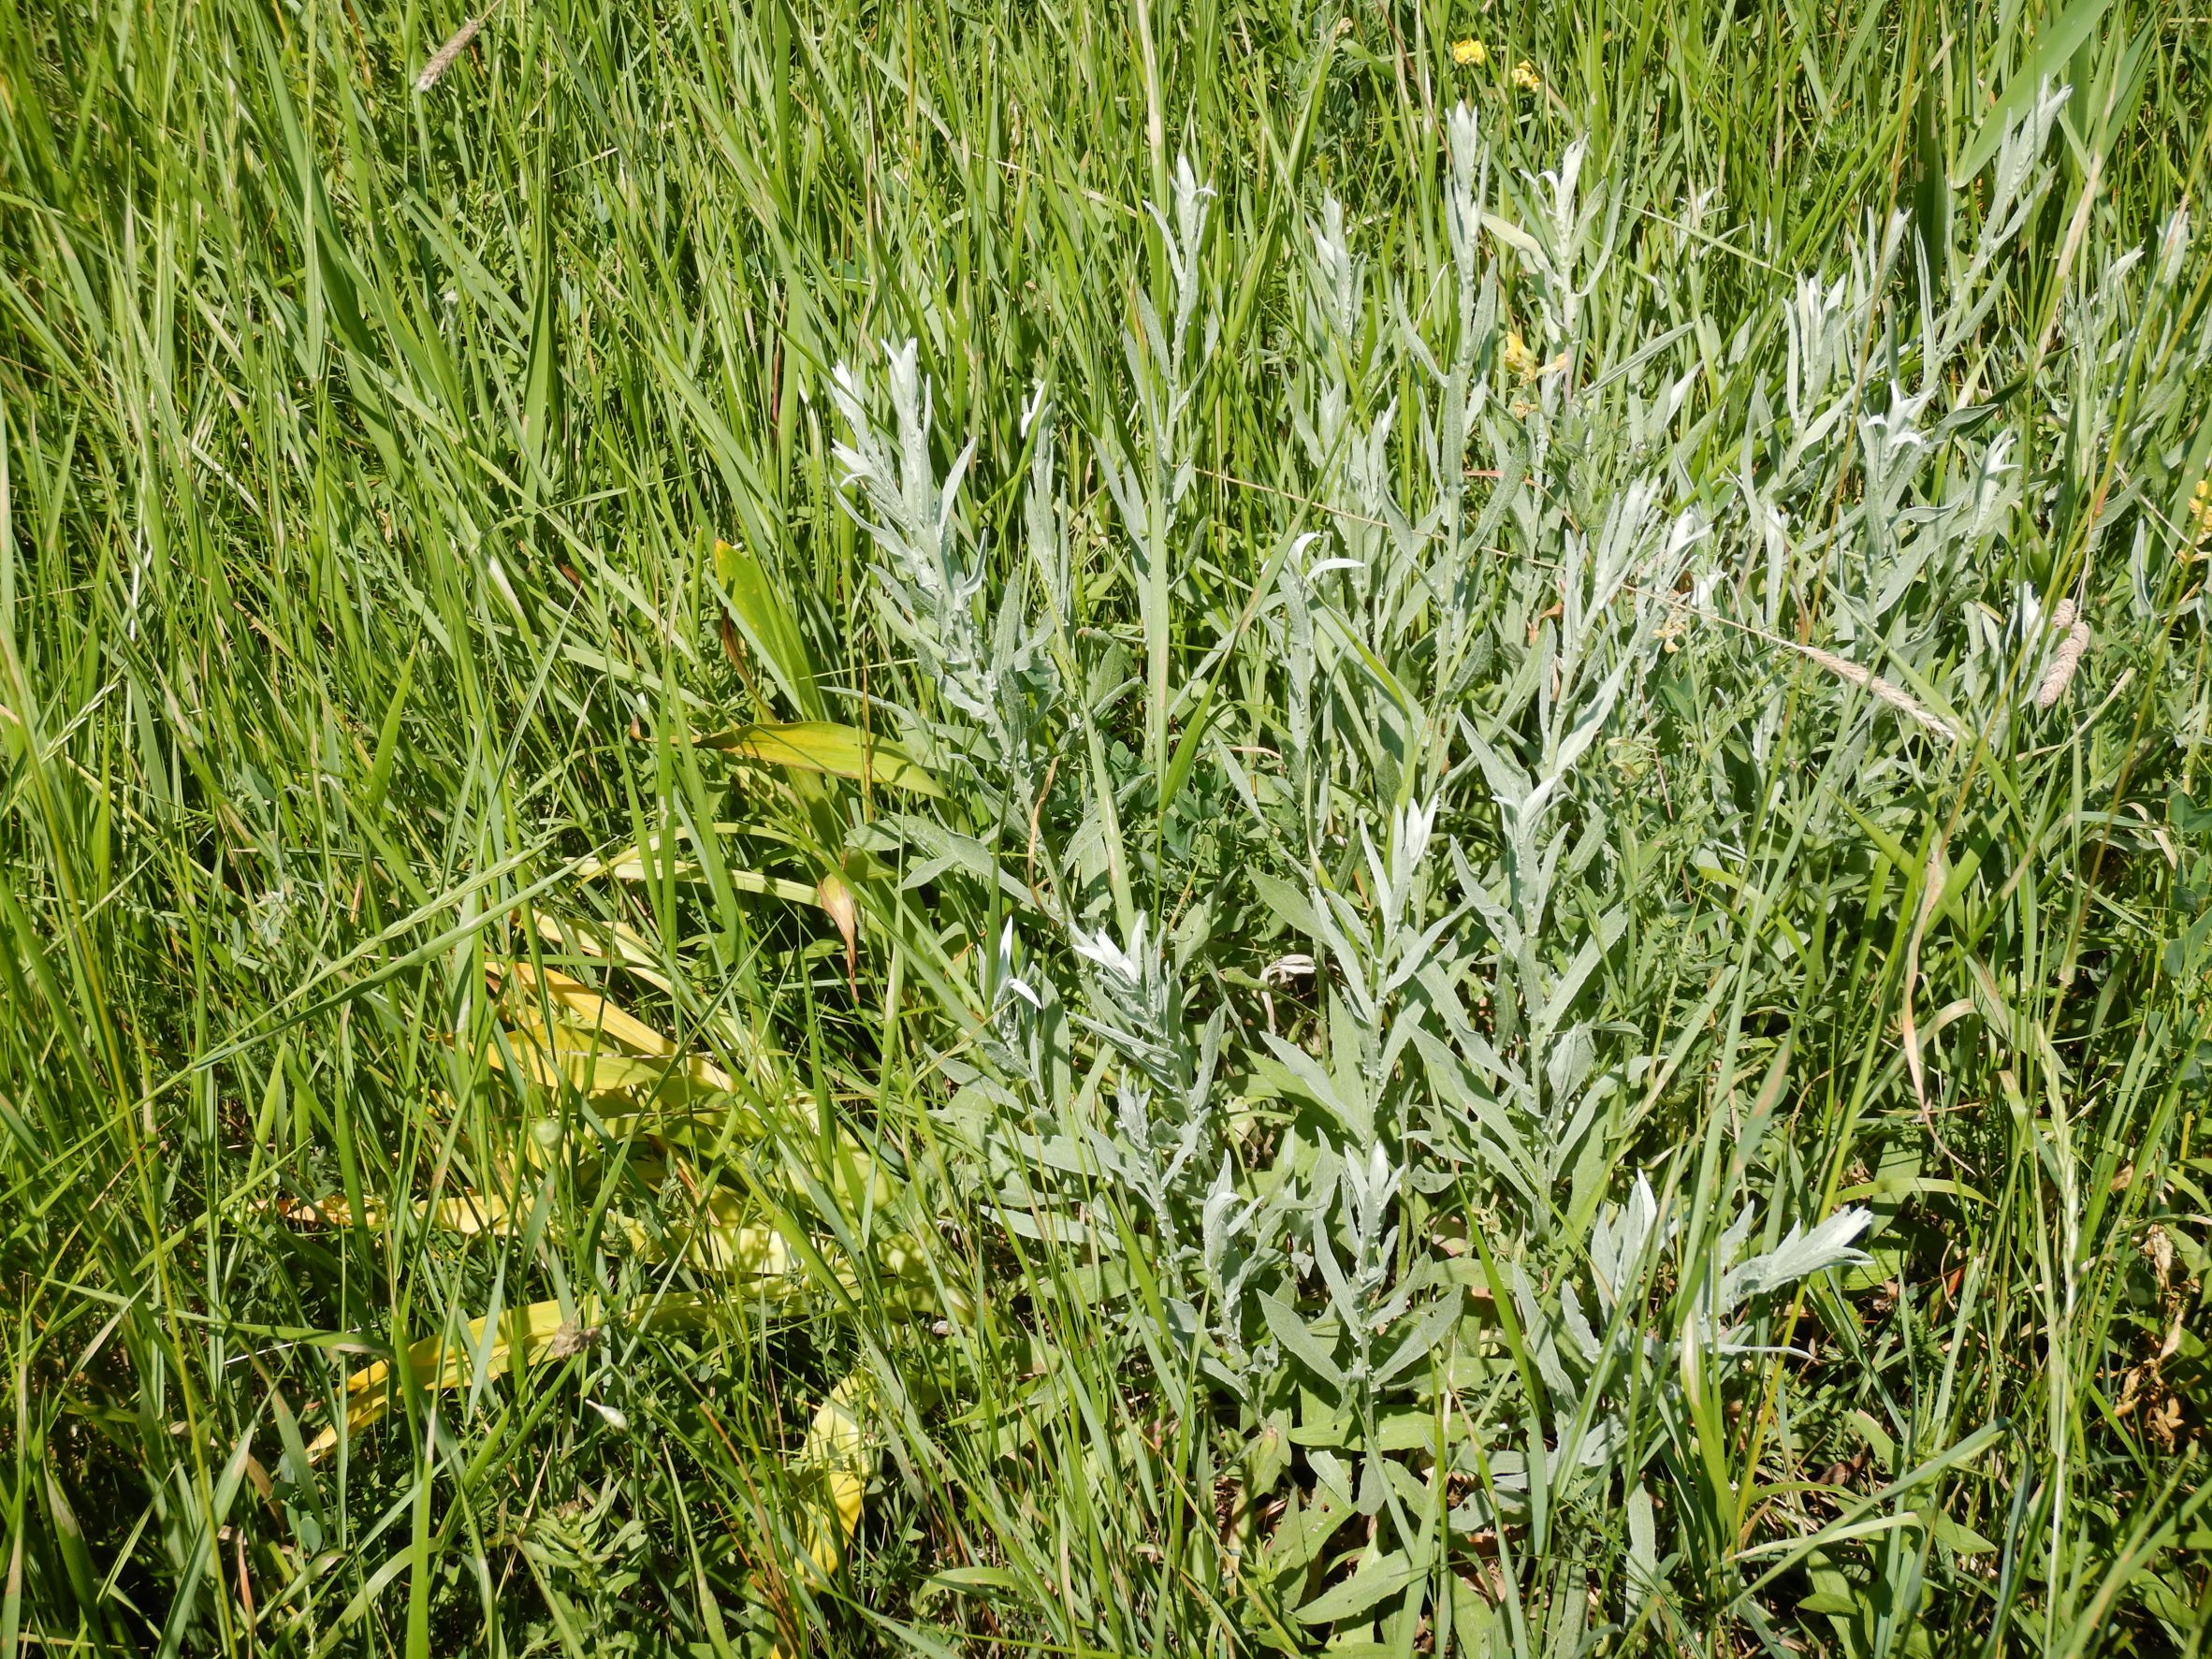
(561, 1031)
(834, 1461)
(724, 1237)
(579, 1004)
(566, 1055)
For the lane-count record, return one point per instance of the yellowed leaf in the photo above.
(466, 1212)
(536, 1330)
(826, 747)
(615, 942)
(590, 1009)
(837, 1450)
(574, 1046)
(567, 1056)
(836, 898)
(656, 859)
(537, 1333)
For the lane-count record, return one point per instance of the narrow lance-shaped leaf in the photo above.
(828, 747)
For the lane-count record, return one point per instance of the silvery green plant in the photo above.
(1541, 1060)
(995, 672)
(1451, 696)
(931, 576)
(1613, 1375)
(1148, 486)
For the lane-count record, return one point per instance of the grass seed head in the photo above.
(1882, 690)
(2067, 659)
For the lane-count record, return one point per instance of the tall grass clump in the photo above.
(1195, 830)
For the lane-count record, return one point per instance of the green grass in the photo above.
(1447, 966)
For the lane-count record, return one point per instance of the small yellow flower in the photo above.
(2200, 509)
(1523, 364)
(1469, 53)
(1526, 78)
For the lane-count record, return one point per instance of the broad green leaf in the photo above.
(2046, 63)
(1959, 1538)
(387, 740)
(966, 1578)
(1419, 1343)
(1290, 1331)
(1375, 1581)
(1186, 747)
(1287, 902)
(764, 617)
